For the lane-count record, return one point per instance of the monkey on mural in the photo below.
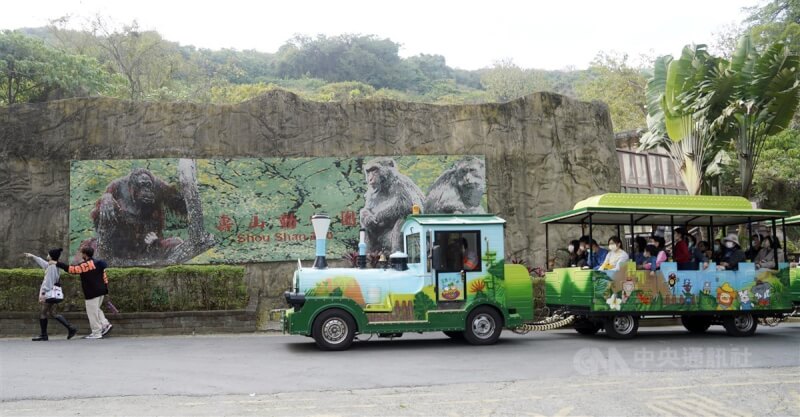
(129, 218)
(459, 189)
(388, 201)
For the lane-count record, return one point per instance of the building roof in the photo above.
(455, 219)
(659, 209)
(794, 220)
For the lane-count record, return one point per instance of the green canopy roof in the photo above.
(659, 209)
(794, 220)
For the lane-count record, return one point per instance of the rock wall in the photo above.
(543, 152)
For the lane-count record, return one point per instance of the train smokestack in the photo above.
(321, 223)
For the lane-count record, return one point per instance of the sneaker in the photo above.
(107, 329)
(41, 338)
(72, 331)
(93, 336)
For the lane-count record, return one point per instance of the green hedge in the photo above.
(175, 288)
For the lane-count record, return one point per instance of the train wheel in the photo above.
(740, 325)
(484, 326)
(695, 324)
(622, 326)
(334, 329)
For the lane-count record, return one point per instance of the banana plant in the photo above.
(764, 99)
(685, 98)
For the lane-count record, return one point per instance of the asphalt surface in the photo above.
(548, 373)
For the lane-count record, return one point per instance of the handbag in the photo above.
(55, 294)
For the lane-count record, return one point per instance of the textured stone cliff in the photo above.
(543, 152)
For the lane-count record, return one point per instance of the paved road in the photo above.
(549, 373)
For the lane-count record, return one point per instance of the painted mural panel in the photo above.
(171, 211)
(672, 290)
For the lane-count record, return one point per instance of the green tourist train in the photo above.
(452, 277)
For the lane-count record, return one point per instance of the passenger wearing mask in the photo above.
(615, 256)
(595, 254)
(702, 254)
(638, 253)
(718, 251)
(766, 256)
(659, 243)
(682, 255)
(733, 253)
(573, 249)
(755, 247)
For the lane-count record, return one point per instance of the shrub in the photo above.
(175, 288)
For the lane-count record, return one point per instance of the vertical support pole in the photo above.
(672, 232)
(750, 234)
(785, 250)
(589, 255)
(711, 235)
(774, 246)
(633, 238)
(547, 247)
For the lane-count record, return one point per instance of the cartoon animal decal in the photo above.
(459, 189)
(389, 198)
(688, 297)
(762, 293)
(627, 289)
(706, 288)
(673, 279)
(725, 297)
(744, 300)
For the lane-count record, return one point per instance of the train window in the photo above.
(459, 251)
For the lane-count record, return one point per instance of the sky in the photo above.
(551, 35)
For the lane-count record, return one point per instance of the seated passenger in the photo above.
(594, 253)
(650, 260)
(638, 252)
(615, 256)
(661, 255)
(681, 254)
(470, 260)
(701, 254)
(574, 255)
(766, 255)
(718, 252)
(733, 254)
(755, 247)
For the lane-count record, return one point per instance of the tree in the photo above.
(612, 80)
(776, 21)
(147, 62)
(775, 184)
(684, 106)
(368, 59)
(763, 101)
(506, 81)
(30, 71)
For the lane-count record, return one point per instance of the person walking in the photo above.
(52, 278)
(95, 286)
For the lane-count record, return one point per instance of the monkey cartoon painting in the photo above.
(388, 200)
(458, 190)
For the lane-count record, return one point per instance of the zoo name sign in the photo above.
(171, 211)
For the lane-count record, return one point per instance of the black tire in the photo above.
(586, 327)
(696, 324)
(741, 325)
(483, 327)
(621, 326)
(455, 335)
(334, 329)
